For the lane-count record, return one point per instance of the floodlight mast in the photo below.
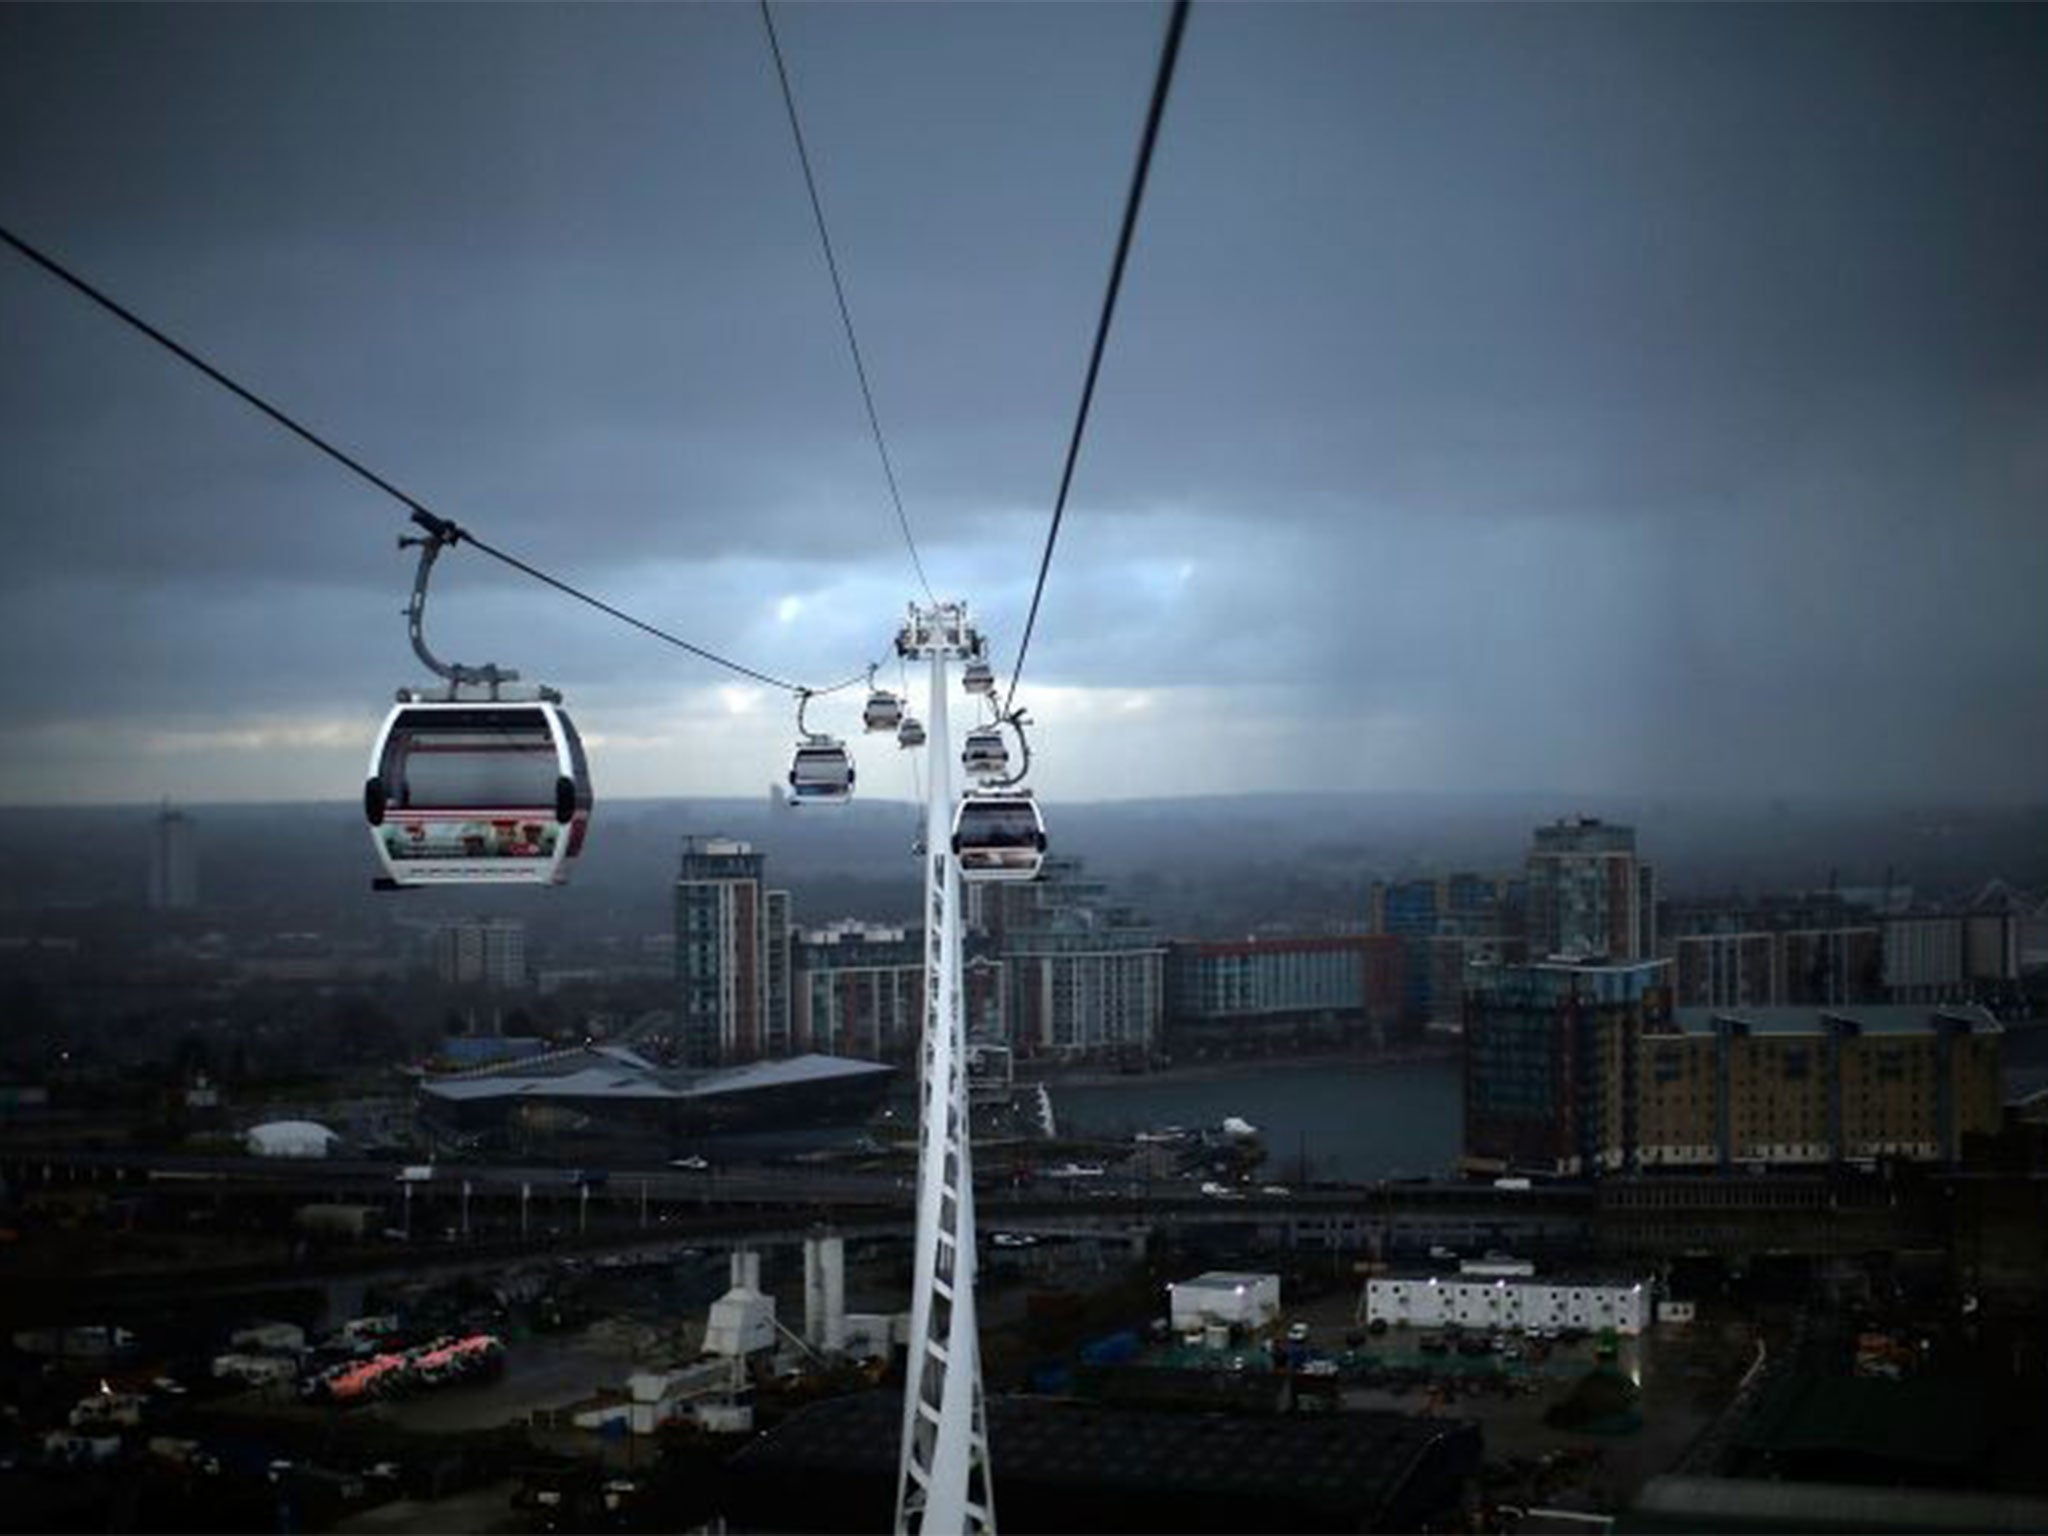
(943, 1484)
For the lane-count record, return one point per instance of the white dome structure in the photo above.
(289, 1138)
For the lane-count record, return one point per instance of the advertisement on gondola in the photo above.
(409, 838)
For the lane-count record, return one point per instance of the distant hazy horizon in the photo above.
(1200, 866)
(1607, 806)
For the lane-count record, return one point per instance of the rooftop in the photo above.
(1227, 1279)
(1067, 1466)
(851, 930)
(1703, 1504)
(810, 1068)
(614, 1072)
(1418, 1275)
(481, 1050)
(1862, 1018)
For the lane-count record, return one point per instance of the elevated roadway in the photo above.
(1633, 1218)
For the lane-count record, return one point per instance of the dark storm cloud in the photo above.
(542, 265)
(1617, 397)
(1588, 259)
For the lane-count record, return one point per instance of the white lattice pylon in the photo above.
(943, 1486)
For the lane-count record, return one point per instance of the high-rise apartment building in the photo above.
(479, 951)
(1453, 960)
(1083, 977)
(1957, 956)
(1727, 970)
(859, 991)
(1924, 957)
(778, 1028)
(1550, 1063)
(1829, 967)
(1444, 923)
(1409, 910)
(1333, 990)
(1589, 897)
(173, 863)
(732, 955)
(1814, 950)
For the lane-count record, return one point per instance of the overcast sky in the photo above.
(1606, 399)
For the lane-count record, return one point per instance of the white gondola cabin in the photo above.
(884, 711)
(822, 773)
(910, 733)
(978, 677)
(984, 753)
(478, 793)
(999, 835)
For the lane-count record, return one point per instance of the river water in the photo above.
(1352, 1120)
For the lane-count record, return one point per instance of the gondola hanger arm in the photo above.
(1016, 720)
(440, 534)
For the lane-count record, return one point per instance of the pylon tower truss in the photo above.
(943, 1485)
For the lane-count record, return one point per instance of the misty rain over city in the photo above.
(1104, 767)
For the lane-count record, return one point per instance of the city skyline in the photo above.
(1625, 400)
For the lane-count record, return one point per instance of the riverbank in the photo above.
(1056, 1077)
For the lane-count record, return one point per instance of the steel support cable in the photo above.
(643, 626)
(424, 516)
(860, 370)
(916, 774)
(1168, 54)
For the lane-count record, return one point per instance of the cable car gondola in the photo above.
(910, 733)
(822, 773)
(486, 792)
(978, 677)
(984, 753)
(884, 711)
(998, 835)
(492, 790)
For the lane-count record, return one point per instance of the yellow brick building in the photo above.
(1792, 1087)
